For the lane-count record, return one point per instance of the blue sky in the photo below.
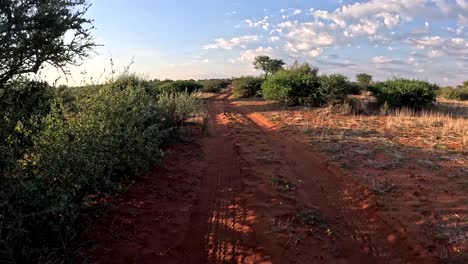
(424, 39)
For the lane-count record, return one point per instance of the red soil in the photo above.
(212, 201)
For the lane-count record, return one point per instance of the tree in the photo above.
(364, 79)
(35, 32)
(268, 65)
(304, 68)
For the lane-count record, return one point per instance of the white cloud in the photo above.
(248, 56)
(381, 59)
(289, 12)
(229, 44)
(390, 20)
(275, 38)
(263, 23)
(315, 52)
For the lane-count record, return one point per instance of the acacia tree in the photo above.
(267, 65)
(36, 32)
(364, 79)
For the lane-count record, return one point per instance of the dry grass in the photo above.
(443, 125)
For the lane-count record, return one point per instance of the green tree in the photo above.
(267, 65)
(364, 79)
(35, 32)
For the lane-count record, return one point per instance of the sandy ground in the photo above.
(255, 189)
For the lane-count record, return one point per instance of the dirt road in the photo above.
(250, 193)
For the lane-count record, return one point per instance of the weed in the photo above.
(283, 185)
(312, 217)
(452, 233)
(381, 165)
(428, 164)
(385, 187)
(278, 225)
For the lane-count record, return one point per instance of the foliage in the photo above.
(304, 68)
(174, 108)
(267, 65)
(355, 88)
(247, 86)
(293, 87)
(458, 93)
(116, 131)
(364, 79)
(33, 33)
(334, 88)
(405, 93)
(180, 87)
(21, 104)
(214, 85)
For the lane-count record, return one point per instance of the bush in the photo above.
(247, 86)
(293, 87)
(173, 109)
(405, 93)
(334, 88)
(459, 93)
(180, 87)
(214, 85)
(356, 89)
(77, 157)
(22, 103)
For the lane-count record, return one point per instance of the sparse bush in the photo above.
(459, 93)
(405, 93)
(174, 108)
(334, 88)
(293, 87)
(180, 87)
(247, 86)
(214, 85)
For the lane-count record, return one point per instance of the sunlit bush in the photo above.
(293, 87)
(403, 92)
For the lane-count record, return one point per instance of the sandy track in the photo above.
(233, 214)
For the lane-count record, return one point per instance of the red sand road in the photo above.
(212, 201)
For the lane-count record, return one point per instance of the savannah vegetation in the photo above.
(64, 150)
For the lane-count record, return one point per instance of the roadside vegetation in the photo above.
(65, 150)
(405, 140)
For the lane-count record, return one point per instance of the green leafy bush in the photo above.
(293, 87)
(173, 109)
(334, 88)
(214, 85)
(405, 93)
(247, 86)
(22, 103)
(180, 87)
(356, 89)
(459, 93)
(117, 131)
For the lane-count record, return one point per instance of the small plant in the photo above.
(385, 187)
(312, 217)
(428, 164)
(283, 185)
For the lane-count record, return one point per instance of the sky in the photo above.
(197, 39)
